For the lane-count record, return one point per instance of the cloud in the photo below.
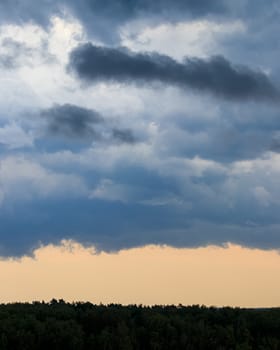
(113, 225)
(13, 136)
(12, 52)
(71, 121)
(242, 132)
(201, 37)
(216, 75)
(74, 122)
(123, 135)
(24, 179)
(26, 11)
(180, 202)
(201, 170)
(103, 18)
(29, 45)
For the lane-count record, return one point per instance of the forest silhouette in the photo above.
(82, 325)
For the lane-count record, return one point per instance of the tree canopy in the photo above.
(77, 326)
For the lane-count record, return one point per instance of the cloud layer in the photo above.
(110, 137)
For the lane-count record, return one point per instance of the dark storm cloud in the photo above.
(116, 225)
(160, 194)
(216, 75)
(74, 122)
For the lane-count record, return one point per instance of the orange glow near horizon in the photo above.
(232, 276)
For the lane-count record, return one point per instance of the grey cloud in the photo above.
(223, 140)
(123, 135)
(216, 75)
(112, 225)
(27, 10)
(14, 54)
(172, 193)
(71, 121)
(104, 17)
(275, 145)
(74, 122)
(11, 53)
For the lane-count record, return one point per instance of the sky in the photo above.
(141, 136)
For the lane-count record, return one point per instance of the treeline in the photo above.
(78, 326)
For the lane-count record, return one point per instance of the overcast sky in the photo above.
(129, 123)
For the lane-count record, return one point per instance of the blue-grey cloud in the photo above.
(200, 175)
(13, 53)
(74, 122)
(103, 18)
(114, 225)
(216, 75)
(275, 144)
(165, 200)
(246, 131)
(71, 121)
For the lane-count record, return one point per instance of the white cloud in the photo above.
(64, 35)
(13, 136)
(38, 78)
(254, 181)
(195, 38)
(21, 178)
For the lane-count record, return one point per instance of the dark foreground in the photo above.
(59, 325)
